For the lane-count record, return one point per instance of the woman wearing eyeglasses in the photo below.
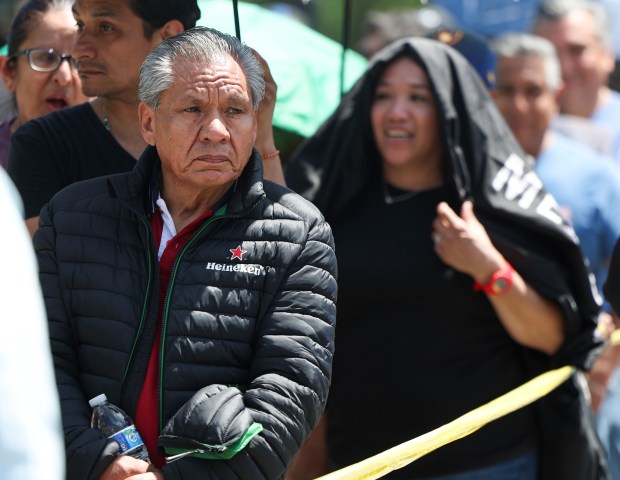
(39, 71)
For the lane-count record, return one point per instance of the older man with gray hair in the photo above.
(581, 35)
(197, 296)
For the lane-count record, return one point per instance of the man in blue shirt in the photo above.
(580, 32)
(585, 183)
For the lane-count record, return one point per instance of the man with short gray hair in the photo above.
(196, 295)
(581, 35)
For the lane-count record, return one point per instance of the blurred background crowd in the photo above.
(486, 17)
(363, 26)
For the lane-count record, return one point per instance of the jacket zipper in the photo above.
(218, 216)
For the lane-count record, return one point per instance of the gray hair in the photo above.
(511, 45)
(554, 10)
(197, 45)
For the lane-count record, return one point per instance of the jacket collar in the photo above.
(138, 187)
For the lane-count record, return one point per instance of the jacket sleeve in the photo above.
(87, 453)
(255, 433)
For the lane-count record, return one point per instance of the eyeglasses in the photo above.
(46, 59)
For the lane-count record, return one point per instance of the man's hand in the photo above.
(265, 143)
(264, 137)
(125, 467)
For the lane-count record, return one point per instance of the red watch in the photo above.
(499, 283)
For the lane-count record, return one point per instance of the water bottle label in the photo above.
(128, 439)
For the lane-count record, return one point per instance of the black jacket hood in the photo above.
(483, 162)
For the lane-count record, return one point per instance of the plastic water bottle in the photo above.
(114, 423)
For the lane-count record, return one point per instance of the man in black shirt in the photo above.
(103, 136)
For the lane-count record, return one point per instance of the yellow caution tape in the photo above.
(405, 453)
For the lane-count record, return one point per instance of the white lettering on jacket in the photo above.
(525, 187)
(238, 267)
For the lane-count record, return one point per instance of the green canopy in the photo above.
(305, 64)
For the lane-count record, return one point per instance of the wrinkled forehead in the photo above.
(211, 73)
(508, 66)
(206, 79)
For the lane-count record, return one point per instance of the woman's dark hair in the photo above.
(24, 21)
(155, 13)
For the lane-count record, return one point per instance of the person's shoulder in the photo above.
(614, 97)
(293, 202)
(64, 121)
(562, 141)
(587, 160)
(80, 195)
(5, 125)
(579, 150)
(609, 110)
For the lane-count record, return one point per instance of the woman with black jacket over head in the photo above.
(458, 278)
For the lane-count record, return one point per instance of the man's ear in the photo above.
(7, 70)
(170, 29)
(146, 117)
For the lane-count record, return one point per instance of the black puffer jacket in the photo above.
(258, 333)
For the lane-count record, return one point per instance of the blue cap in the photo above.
(474, 48)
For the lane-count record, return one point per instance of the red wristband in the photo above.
(499, 283)
(270, 155)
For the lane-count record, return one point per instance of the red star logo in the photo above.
(237, 253)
